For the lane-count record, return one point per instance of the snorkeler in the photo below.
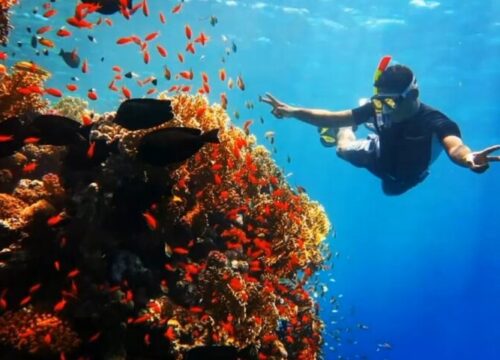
(402, 145)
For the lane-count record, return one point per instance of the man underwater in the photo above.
(401, 149)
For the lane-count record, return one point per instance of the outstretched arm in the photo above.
(477, 161)
(316, 117)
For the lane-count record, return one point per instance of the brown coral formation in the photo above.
(5, 25)
(38, 333)
(21, 90)
(222, 259)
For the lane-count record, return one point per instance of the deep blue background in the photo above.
(421, 270)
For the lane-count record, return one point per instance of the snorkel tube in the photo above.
(382, 65)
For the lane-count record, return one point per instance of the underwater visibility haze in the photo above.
(151, 206)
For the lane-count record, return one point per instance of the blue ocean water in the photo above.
(421, 270)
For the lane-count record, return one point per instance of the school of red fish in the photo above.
(276, 232)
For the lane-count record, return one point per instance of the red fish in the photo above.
(240, 83)
(145, 8)
(56, 219)
(47, 42)
(35, 288)
(25, 301)
(54, 92)
(180, 250)
(60, 305)
(162, 51)
(177, 8)
(162, 18)
(108, 21)
(124, 40)
(223, 100)
(44, 29)
(152, 36)
(30, 167)
(62, 32)
(50, 13)
(170, 334)
(95, 336)
(150, 220)
(92, 94)
(57, 265)
(126, 92)
(85, 66)
(91, 150)
(146, 57)
(202, 39)
(188, 75)
(73, 273)
(72, 87)
(112, 86)
(31, 140)
(222, 74)
(190, 48)
(6, 138)
(188, 31)
(180, 57)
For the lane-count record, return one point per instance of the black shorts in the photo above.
(365, 153)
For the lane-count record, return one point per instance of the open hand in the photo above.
(280, 109)
(478, 161)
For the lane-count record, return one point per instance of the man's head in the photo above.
(398, 83)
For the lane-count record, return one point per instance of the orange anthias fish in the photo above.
(91, 150)
(54, 92)
(44, 29)
(162, 18)
(202, 39)
(30, 167)
(62, 32)
(222, 74)
(152, 36)
(150, 220)
(162, 51)
(188, 31)
(177, 8)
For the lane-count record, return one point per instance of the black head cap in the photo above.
(395, 79)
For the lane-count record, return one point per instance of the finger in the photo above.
(277, 113)
(273, 99)
(266, 100)
(493, 158)
(490, 149)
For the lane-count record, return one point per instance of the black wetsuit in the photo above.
(405, 150)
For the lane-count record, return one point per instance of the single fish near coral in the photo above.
(71, 58)
(135, 114)
(175, 144)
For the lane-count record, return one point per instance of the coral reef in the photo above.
(21, 91)
(141, 260)
(72, 107)
(38, 333)
(5, 25)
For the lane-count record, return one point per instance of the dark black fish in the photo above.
(45, 52)
(175, 144)
(55, 130)
(220, 353)
(71, 58)
(155, 82)
(108, 7)
(135, 114)
(28, 29)
(11, 128)
(34, 42)
(131, 75)
(19, 44)
(91, 38)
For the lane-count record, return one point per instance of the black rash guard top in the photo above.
(406, 147)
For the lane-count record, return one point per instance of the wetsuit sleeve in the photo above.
(363, 113)
(444, 127)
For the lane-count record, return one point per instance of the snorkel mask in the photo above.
(384, 104)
